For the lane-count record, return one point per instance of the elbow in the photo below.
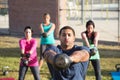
(86, 57)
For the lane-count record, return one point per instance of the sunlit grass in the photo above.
(111, 47)
(10, 55)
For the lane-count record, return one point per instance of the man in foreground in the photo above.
(68, 61)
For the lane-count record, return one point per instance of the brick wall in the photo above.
(29, 12)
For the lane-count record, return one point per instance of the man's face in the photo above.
(67, 38)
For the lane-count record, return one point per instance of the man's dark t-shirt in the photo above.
(76, 71)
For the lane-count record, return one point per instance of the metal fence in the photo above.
(105, 14)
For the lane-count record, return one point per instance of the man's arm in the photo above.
(80, 56)
(49, 56)
(63, 61)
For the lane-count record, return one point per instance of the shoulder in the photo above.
(54, 48)
(41, 24)
(82, 48)
(52, 24)
(33, 40)
(83, 33)
(22, 39)
(96, 33)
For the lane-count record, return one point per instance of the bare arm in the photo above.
(51, 29)
(96, 39)
(22, 46)
(77, 56)
(80, 56)
(40, 63)
(41, 28)
(84, 37)
(49, 56)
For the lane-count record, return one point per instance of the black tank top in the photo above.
(91, 39)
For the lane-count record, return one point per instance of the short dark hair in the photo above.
(28, 27)
(90, 22)
(67, 27)
(46, 14)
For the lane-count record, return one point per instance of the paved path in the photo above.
(108, 29)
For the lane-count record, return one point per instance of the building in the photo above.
(29, 13)
(20, 13)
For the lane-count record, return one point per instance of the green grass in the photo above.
(10, 55)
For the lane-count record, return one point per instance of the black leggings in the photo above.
(97, 70)
(24, 69)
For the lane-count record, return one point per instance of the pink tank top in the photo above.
(30, 45)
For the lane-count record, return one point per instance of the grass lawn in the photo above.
(10, 55)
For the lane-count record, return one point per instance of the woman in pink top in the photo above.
(28, 46)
